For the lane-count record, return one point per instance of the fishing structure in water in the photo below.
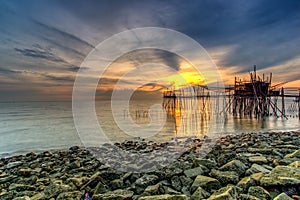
(255, 97)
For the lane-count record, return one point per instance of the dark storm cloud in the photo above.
(62, 34)
(144, 56)
(264, 32)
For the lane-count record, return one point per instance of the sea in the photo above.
(41, 126)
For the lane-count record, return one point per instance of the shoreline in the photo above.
(245, 166)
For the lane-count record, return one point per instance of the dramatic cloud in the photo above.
(52, 38)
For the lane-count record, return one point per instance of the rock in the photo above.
(76, 195)
(255, 168)
(79, 181)
(95, 178)
(295, 164)
(295, 154)
(53, 190)
(247, 197)
(22, 198)
(234, 165)
(228, 192)
(176, 183)
(28, 172)
(13, 165)
(173, 170)
(281, 175)
(260, 150)
(226, 157)
(153, 190)
(259, 192)
(100, 188)
(191, 173)
(164, 197)
(225, 177)
(245, 183)
(146, 180)
(116, 194)
(210, 164)
(258, 159)
(207, 183)
(6, 178)
(116, 184)
(200, 194)
(282, 196)
(168, 190)
(38, 196)
(20, 187)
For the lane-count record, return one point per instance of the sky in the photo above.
(43, 43)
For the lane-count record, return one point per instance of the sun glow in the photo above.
(184, 79)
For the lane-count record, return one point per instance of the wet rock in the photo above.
(20, 187)
(146, 180)
(247, 197)
(153, 190)
(259, 192)
(13, 164)
(258, 159)
(207, 183)
(116, 184)
(210, 164)
(281, 175)
(260, 150)
(295, 164)
(6, 178)
(191, 173)
(22, 198)
(38, 196)
(200, 194)
(245, 183)
(29, 172)
(76, 195)
(93, 181)
(176, 183)
(225, 177)
(116, 194)
(100, 188)
(234, 165)
(164, 197)
(228, 192)
(255, 168)
(226, 157)
(53, 190)
(295, 154)
(79, 181)
(283, 196)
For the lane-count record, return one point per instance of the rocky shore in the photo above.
(250, 166)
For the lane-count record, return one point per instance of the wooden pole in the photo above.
(282, 98)
(299, 105)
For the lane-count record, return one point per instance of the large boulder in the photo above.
(234, 165)
(207, 183)
(259, 192)
(228, 192)
(281, 175)
(225, 177)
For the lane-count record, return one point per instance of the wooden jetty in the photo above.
(255, 97)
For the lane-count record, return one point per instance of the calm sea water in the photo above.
(37, 126)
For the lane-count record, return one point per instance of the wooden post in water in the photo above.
(283, 106)
(299, 105)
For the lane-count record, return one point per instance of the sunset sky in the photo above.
(43, 43)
